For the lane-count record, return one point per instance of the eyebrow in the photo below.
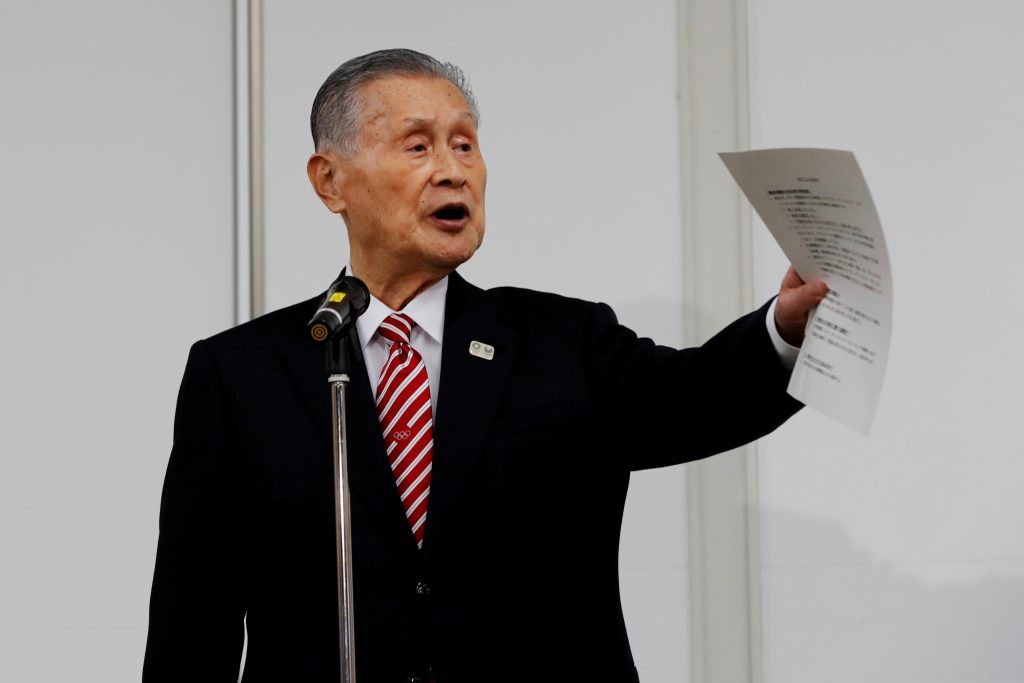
(416, 121)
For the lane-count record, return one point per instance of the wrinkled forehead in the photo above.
(404, 101)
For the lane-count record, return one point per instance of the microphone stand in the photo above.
(337, 375)
(345, 300)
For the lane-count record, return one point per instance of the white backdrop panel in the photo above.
(898, 556)
(116, 255)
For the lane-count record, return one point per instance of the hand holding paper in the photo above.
(816, 204)
(795, 304)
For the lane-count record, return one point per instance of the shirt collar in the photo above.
(427, 309)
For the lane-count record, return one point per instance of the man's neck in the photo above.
(395, 290)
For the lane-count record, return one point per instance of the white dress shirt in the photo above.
(787, 353)
(427, 310)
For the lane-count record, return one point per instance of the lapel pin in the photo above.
(481, 350)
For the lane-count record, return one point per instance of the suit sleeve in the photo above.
(196, 611)
(674, 406)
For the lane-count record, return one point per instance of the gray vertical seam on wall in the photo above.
(256, 246)
(724, 543)
(240, 167)
(248, 166)
(753, 500)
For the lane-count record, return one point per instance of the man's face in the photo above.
(413, 193)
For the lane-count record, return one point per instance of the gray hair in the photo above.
(338, 109)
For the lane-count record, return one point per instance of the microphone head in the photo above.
(346, 300)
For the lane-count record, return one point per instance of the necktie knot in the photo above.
(397, 328)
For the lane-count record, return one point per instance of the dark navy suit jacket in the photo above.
(518, 576)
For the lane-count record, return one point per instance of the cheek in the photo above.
(404, 197)
(481, 215)
(482, 175)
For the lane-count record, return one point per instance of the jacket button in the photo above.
(422, 588)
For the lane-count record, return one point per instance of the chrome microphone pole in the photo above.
(333, 323)
(338, 379)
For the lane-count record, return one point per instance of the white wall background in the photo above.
(892, 557)
(580, 134)
(115, 254)
(899, 556)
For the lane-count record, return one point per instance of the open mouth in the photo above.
(451, 215)
(451, 212)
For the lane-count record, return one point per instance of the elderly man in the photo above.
(487, 468)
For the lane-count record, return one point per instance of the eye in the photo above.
(419, 147)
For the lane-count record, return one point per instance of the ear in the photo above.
(326, 176)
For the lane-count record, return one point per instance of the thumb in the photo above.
(809, 295)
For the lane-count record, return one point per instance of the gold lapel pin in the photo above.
(481, 350)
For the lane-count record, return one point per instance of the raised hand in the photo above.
(796, 299)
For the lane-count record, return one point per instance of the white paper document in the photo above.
(816, 204)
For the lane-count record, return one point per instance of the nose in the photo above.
(448, 170)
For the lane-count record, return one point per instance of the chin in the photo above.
(452, 261)
(456, 254)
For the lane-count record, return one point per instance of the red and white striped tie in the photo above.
(406, 420)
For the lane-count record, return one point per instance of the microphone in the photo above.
(346, 300)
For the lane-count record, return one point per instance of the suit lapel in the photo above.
(370, 480)
(470, 392)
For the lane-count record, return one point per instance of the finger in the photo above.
(792, 279)
(794, 305)
(799, 300)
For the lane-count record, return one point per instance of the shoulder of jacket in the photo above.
(532, 297)
(268, 330)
